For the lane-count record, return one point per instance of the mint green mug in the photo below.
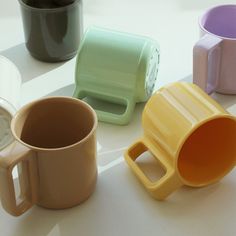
(118, 68)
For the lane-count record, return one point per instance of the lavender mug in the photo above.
(214, 55)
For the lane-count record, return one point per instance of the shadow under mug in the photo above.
(52, 32)
(214, 55)
(189, 134)
(118, 68)
(55, 152)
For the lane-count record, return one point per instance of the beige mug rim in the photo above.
(27, 106)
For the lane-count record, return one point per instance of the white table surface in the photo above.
(120, 205)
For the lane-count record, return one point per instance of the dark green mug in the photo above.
(52, 31)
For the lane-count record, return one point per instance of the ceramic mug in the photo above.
(10, 85)
(55, 151)
(191, 136)
(52, 30)
(214, 55)
(116, 67)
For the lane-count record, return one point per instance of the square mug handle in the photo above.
(27, 179)
(109, 117)
(166, 184)
(120, 119)
(206, 62)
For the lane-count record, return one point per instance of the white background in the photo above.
(120, 205)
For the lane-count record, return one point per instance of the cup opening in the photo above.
(47, 4)
(54, 123)
(209, 152)
(220, 21)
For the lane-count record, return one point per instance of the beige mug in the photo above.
(55, 152)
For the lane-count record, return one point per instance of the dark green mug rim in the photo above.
(59, 8)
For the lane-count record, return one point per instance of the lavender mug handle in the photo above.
(206, 62)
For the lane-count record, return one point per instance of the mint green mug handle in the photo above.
(109, 117)
(119, 119)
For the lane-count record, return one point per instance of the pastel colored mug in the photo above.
(116, 67)
(214, 55)
(10, 86)
(52, 30)
(55, 152)
(189, 134)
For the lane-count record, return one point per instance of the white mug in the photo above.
(10, 86)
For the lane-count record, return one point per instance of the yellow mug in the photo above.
(191, 136)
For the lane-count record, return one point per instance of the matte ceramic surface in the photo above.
(10, 85)
(214, 55)
(116, 67)
(52, 32)
(55, 152)
(191, 136)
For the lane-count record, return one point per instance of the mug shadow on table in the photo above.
(112, 149)
(66, 91)
(228, 102)
(28, 66)
(119, 184)
(186, 198)
(188, 78)
(126, 198)
(38, 222)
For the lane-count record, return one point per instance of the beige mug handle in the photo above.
(18, 154)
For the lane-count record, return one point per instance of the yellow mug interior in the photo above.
(209, 152)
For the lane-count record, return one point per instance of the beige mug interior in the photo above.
(209, 152)
(53, 123)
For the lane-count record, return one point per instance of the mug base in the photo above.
(226, 92)
(54, 59)
(70, 205)
(64, 207)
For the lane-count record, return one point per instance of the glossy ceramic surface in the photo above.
(214, 55)
(52, 32)
(117, 67)
(191, 136)
(10, 85)
(119, 199)
(55, 152)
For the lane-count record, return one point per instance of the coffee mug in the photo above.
(189, 134)
(116, 67)
(55, 152)
(52, 30)
(214, 55)
(10, 85)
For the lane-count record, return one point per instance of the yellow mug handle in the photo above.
(166, 184)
